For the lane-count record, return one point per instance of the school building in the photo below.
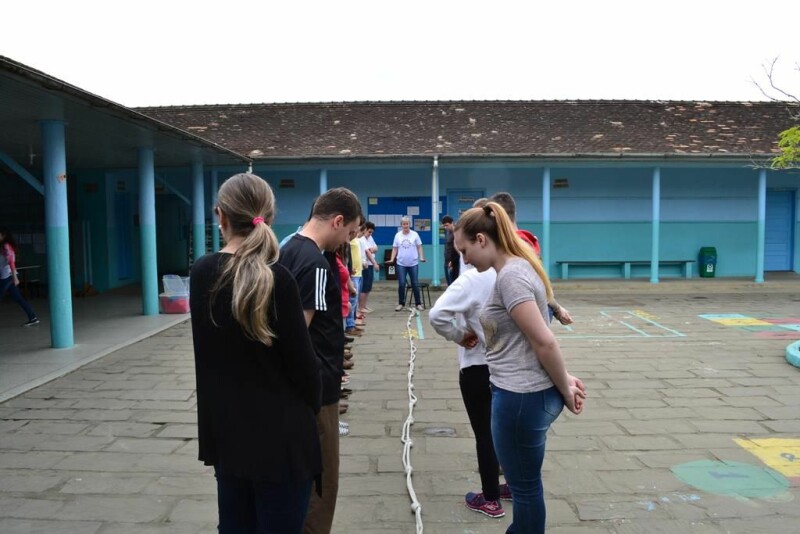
(102, 196)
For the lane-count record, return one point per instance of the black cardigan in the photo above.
(256, 405)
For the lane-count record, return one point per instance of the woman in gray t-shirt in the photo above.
(530, 383)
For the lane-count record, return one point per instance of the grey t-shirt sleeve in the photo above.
(513, 364)
(515, 284)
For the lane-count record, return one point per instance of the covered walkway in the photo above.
(103, 323)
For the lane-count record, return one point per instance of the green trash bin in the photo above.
(708, 262)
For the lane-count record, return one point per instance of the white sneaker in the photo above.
(399, 307)
(344, 429)
(420, 307)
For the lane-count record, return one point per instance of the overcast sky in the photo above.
(175, 52)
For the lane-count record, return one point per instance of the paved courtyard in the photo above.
(692, 426)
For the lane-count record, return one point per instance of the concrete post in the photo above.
(57, 230)
(147, 231)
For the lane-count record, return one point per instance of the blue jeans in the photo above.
(412, 273)
(519, 429)
(247, 505)
(351, 317)
(7, 284)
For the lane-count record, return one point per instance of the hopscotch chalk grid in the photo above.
(618, 324)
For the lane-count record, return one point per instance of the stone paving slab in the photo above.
(111, 447)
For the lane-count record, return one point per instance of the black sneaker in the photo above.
(32, 322)
(348, 339)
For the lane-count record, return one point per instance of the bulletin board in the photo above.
(386, 213)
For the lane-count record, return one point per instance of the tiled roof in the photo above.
(478, 128)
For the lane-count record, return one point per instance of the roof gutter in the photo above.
(419, 158)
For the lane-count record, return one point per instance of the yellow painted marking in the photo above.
(782, 455)
(644, 315)
(748, 321)
(414, 335)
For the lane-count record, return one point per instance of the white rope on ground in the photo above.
(416, 507)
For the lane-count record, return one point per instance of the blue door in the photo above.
(460, 200)
(779, 235)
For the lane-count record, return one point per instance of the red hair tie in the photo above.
(257, 221)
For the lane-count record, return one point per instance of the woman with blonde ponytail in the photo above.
(258, 387)
(529, 380)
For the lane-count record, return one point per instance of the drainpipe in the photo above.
(655, 225)
(545, 243)
(435, 209)
(762, 225)
(323, 181)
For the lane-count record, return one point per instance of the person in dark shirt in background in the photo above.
(452, 262)
(308, 255)
(253, 360)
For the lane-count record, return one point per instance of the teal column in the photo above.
(656, 225)
(214, 221)
(323, 181)
(762, 225)
(436, 281)
(57, 229)
(544, 244)
(147, 230)
(198, 212)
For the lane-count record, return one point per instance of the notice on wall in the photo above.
(413, 210)
(422, 225)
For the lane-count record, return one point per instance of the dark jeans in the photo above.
(247, 505)
(519, 427)
(7, 285)
(448, 274)
(477, 395)
(412, 273)
(367, 275)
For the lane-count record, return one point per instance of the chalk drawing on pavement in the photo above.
(617, 324)
(781, 454)
(734, 479)
(763, 326)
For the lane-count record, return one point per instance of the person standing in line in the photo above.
(455, 317)
(334, 221)
(370, 264)
(253, 359)
(529, 380)
(356, 277)
(8, 275)
(451, 260)
(348, 291)
(407, 253)
(510, 206)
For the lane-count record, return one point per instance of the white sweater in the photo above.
(457, 311)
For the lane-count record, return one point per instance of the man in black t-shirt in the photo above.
(308, 255)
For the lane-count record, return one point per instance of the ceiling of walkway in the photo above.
(100, 134)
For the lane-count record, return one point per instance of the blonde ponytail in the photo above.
(493, 221)
(248, 202)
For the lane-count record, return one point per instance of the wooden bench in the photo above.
(686, 265)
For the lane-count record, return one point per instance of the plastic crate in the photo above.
(174, 304)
